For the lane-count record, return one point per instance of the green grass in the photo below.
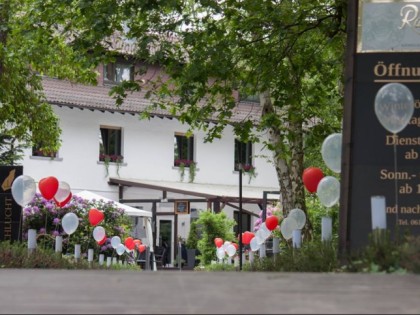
(16, 255)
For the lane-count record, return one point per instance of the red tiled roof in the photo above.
(64, 93)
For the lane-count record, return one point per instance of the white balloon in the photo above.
(300, 217)
(262, 234)
(287, 226)
(120, 249)
(259, 238)
(394, 106)
(328, 191)
(63, 191)
(70, 222)
(226, 244)
(231, 250)
(98, 233)
(23, 189)
(220, 252)
(331, 152)
(254, 244)
(115, 241)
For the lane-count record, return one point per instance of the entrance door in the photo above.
(166, 237)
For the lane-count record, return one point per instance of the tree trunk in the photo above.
(292, 193)
(282, 168)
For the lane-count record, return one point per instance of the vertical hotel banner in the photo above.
(10, 211)
(383, 48)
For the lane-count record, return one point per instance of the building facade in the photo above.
(110, 151)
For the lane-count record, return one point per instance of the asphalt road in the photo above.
(24, 291)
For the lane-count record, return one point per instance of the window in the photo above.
(249, 98)
(247, 93)
(37, 151)
(110, 144)
(246, 222)
(243, 154)
(183, 149)
(118, 72)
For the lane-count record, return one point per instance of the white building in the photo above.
(148, 176)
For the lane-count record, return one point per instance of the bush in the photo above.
(383, 254)
(45, 216)
(213, 225)
(314, 256)
(192, 239)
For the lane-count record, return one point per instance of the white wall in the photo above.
(148, 154)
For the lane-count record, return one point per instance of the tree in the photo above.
(290, 53)
(62, 39)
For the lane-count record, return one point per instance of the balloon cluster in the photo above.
(295, 220)
(225, 248)
(24, 189)
(254, 240)
(327, 188)
(99, 234)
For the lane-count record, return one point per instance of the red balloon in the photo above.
(236, 246)
(218, 242)
(247, 237)
(64, 202)
(48, 187)
(271, 222)
(250, 236)
(142, 248)
(137, 242)
(95, 216)
(311, 178)
(102, 242)
(129, 243)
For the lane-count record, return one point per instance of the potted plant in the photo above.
(117, 159)
(182, 164)
(114, 158)
(192, 244)
(193, 166)
(249, 169)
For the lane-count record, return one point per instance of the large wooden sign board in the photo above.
(383, 47)
(10, 211)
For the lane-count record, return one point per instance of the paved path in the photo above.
(188, 292)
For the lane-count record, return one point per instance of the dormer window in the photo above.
(243, 97)
(118, 72)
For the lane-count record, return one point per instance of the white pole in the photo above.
(101, 259)
(77, 251)
(297, 238)
(251, 256)
(58, 244)
(378, 209)
(276, 245)
(31, 239)
(90, 254)
(262, 250)
(326, 228)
